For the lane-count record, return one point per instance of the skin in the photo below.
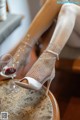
(68, 14)
(44, 18)
(41, 22)
(67, 17)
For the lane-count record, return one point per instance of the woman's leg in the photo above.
(63, 30)
(45, 65)
(41, 22)
(65, 24)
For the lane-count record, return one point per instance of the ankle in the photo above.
(52, 54)
(48, 57)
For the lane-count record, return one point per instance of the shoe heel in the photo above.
(50, 80)
(48, 86)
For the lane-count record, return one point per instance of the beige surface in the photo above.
(25, 104)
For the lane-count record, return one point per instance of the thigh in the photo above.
(74, 39)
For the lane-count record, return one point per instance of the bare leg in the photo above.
(64, 27)
(45, 65)
(41, 22)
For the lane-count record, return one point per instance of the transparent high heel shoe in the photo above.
(33, 84)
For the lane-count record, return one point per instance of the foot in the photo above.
(41, 70)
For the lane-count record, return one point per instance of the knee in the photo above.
(68, 8)
(67, 13)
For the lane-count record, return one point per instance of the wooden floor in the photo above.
(66, 88)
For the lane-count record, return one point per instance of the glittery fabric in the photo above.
(43, 67)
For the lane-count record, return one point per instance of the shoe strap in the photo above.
(34, 84)
(54, 53)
